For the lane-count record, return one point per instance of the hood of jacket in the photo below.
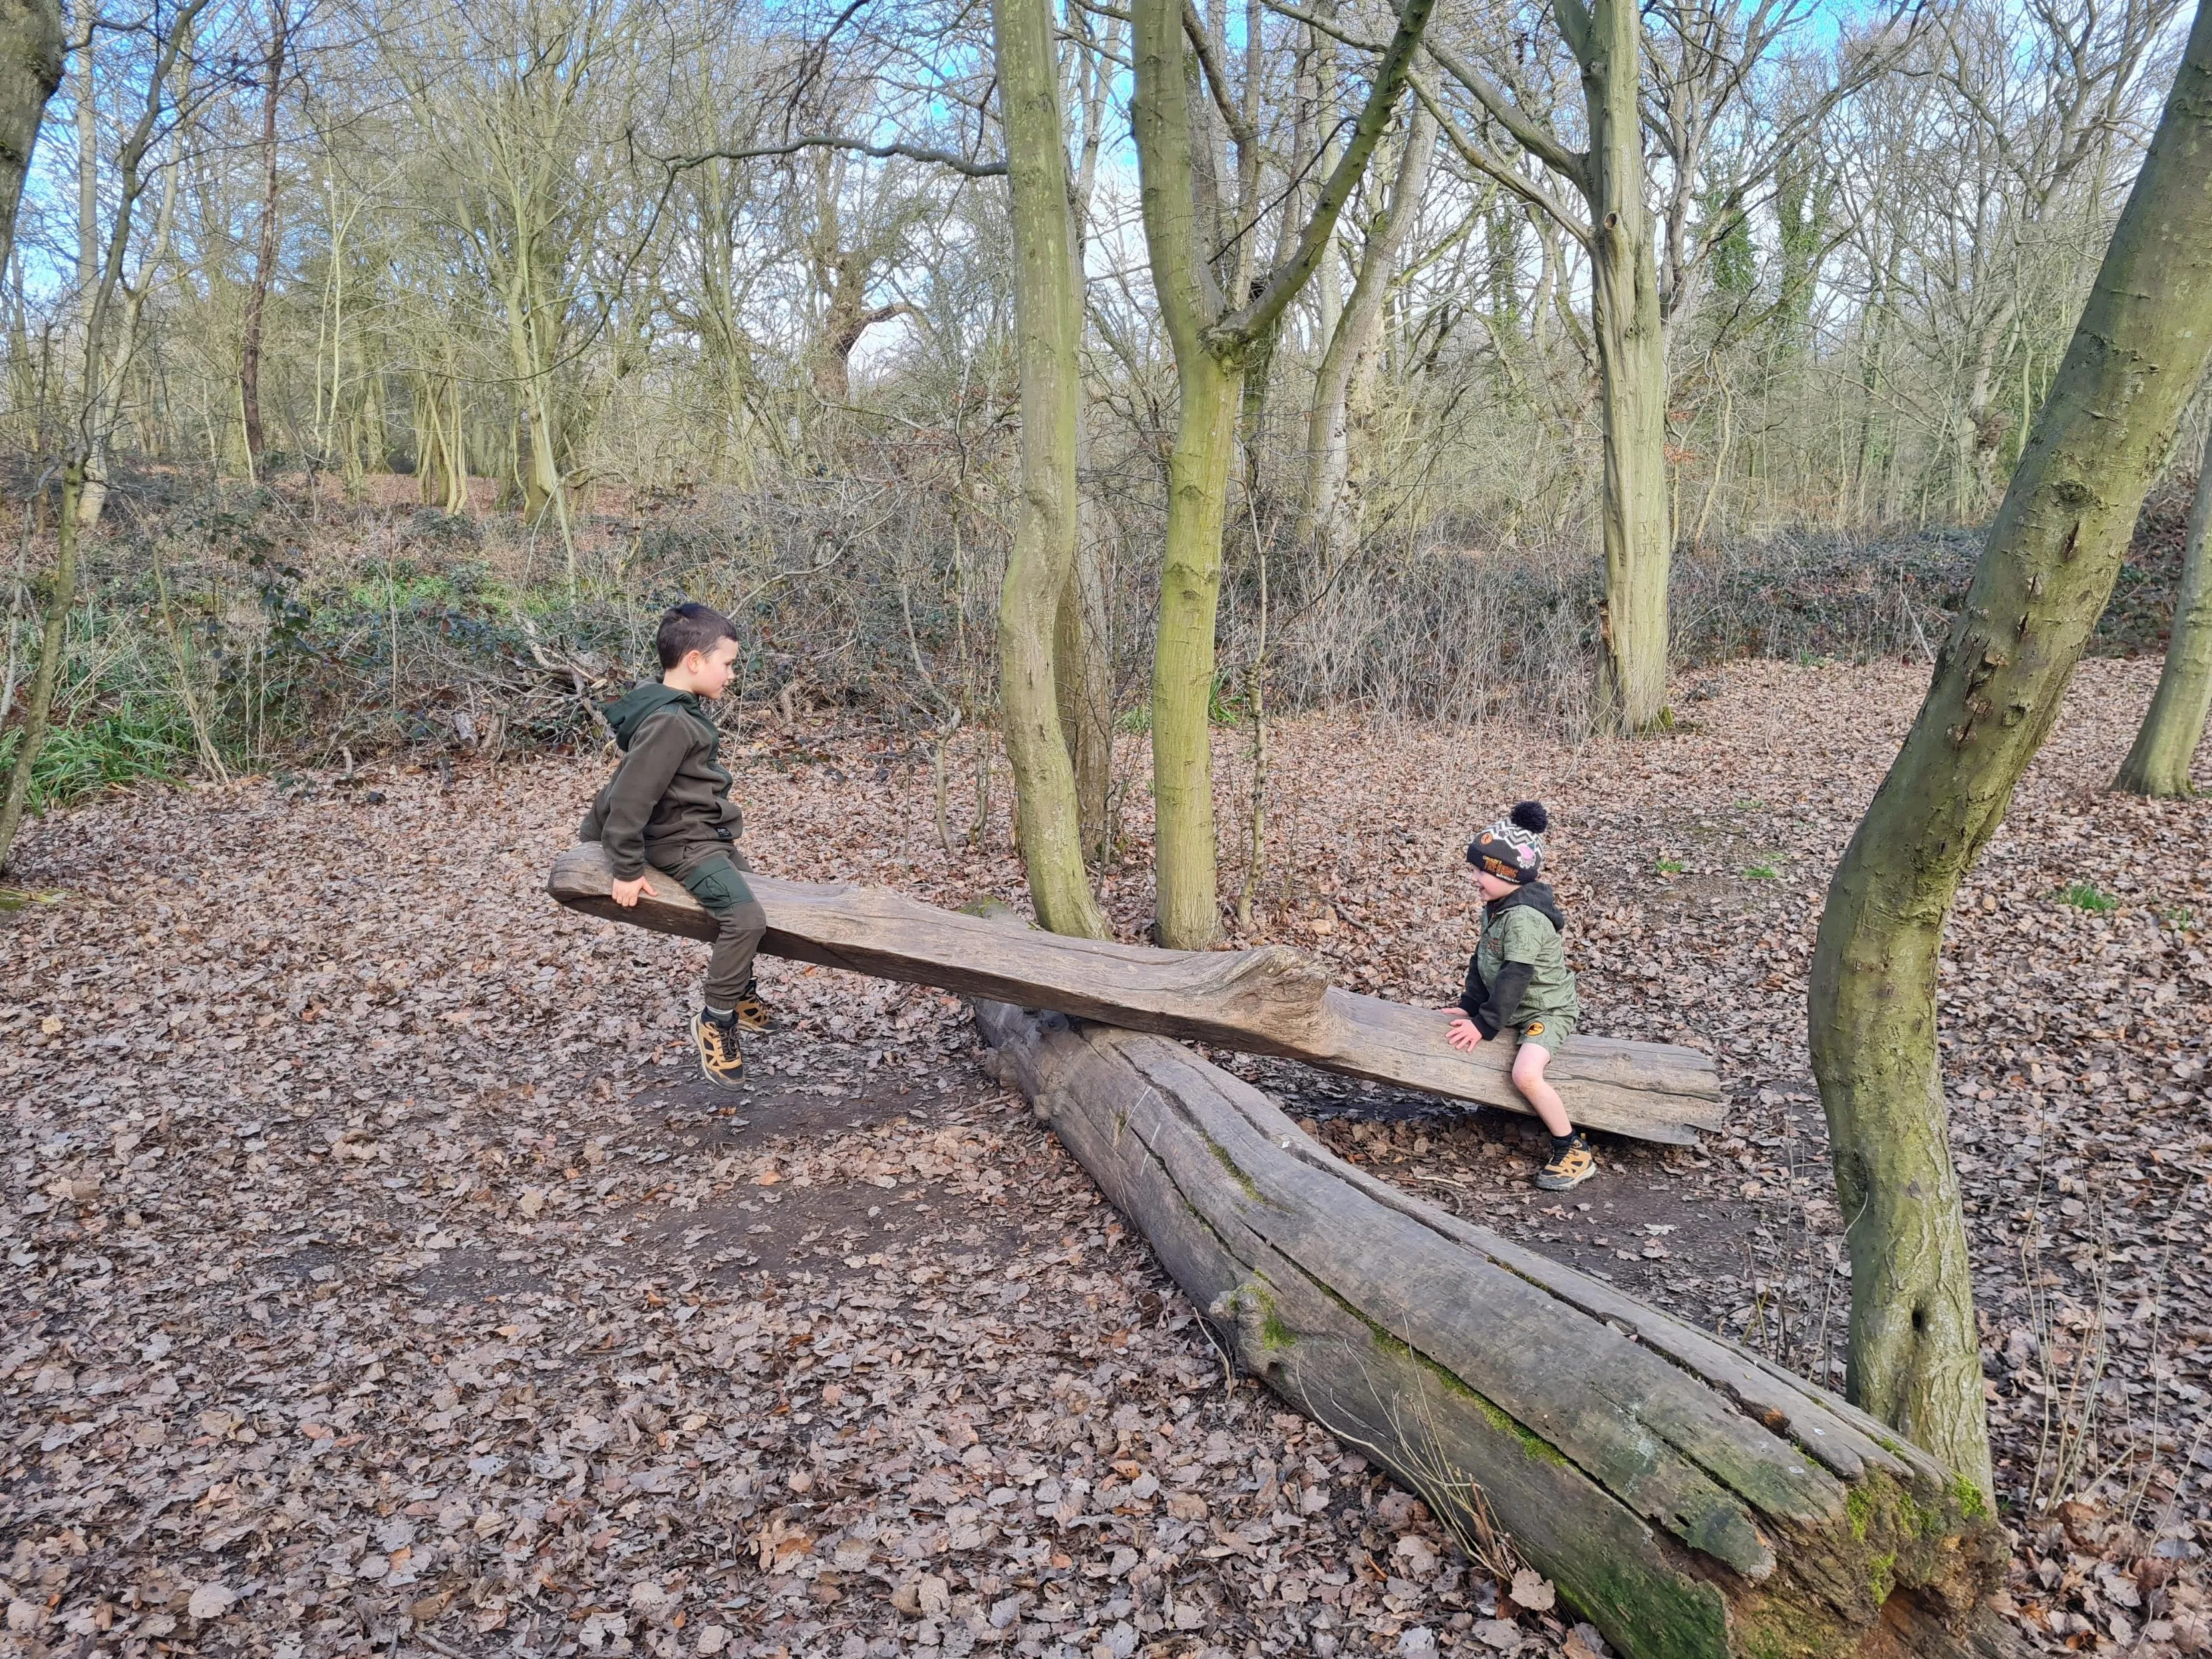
(1537, 896)
(630, 711)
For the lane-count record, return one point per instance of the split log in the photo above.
(1265, 1001)
(1688, 1497)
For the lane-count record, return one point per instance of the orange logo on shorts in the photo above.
(1535, 1027)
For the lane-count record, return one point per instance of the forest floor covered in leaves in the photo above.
(382, 1277)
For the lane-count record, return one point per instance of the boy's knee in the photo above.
(744, 919)
(1528, 1062)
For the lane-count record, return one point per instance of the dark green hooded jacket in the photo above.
(669, 799)
(1519, 970)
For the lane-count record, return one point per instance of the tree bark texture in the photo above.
(61, 594)
(1187, 906)
(1686, 1496)
(1082, 674)
(2044, 578)
(1215, 338)
(2158, 763)
(1041, 563)
(257, 294)
(1270, 1000)
(1188, 903)
(31, 47)
(1632, 359)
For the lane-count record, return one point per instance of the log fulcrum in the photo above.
(1265, 1001)
(1686, 1496)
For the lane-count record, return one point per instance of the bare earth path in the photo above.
(382, 1277)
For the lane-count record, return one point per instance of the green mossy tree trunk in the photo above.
(1214, 343)
(1183, 856)
(2045, 575)
(38, 713)
(30, 69)
(1632, 359)
(1048, 319)
(92, 419)
(2158, 764)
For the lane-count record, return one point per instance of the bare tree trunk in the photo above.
(61, 594)
(1183, 855)
(1632, 357)
(2045, 574)
(31, 47)
(94, 495)
(1083, 677)
(2158, 764)
(1329, 429)
(265, 262)
(1048, 320)
(1214, 339)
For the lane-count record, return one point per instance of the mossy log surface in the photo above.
(1269, 1001)
(1687, 1496)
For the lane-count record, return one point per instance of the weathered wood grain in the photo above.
(1687, 1498)
(1270, 1000)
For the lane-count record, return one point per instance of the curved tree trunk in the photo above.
(2045, 575)
(2158, 764)
(31, 47)
(1047, 317)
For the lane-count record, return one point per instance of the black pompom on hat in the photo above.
(1512, 849)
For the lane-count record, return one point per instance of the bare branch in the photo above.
(966, 165)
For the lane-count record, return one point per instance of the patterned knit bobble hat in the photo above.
(1512, 849)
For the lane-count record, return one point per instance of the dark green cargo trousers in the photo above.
(716, 877)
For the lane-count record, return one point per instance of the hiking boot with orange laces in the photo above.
(1568, 1168)
(752, 1011)
(720, 1056)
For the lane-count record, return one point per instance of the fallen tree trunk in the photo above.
(1265, 1001)
(1686, 1496)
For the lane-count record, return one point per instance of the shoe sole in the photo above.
(1563, 1184)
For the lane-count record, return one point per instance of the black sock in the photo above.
(721, 1016)
(1562, 1144)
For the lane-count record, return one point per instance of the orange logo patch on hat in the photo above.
(1499, 867)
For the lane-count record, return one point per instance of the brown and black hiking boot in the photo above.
(752, 1013)
(720, 1056)
(1569, 1170)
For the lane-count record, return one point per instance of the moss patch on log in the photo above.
(1932, 1540)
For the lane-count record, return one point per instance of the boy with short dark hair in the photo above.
(1518, 978)
(668, 806)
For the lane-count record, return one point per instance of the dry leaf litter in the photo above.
(383, 1278)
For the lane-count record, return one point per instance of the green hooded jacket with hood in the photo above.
(669, 800)
(1519, 970)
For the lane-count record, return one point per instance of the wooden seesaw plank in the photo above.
(1270, 1000)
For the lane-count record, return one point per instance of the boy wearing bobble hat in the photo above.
(1518, 978)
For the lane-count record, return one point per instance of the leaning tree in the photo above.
(2045, 573)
